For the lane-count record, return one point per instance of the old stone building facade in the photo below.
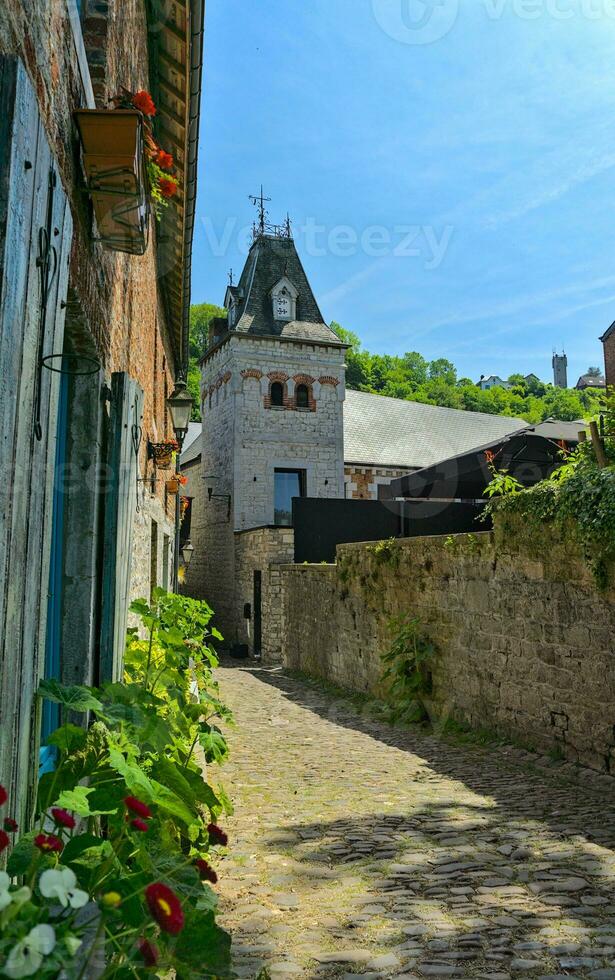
(272, 405)
(85, 521)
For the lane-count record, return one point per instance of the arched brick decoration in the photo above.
(278, 377)
(328, 379)
(304, 379)
(252, 373)
(307, 380)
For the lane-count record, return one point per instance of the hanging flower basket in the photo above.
(127, 173)
(172, 486)
(112, 141)
(162, 453)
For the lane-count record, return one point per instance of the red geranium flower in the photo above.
(165, 907)
(141, 809)
(143, 101)
(217, 835)
(164, 160)
(149, 952)
(10, 825)
(168, 186)
(138, 824)
(3, 795)
(48, 842)
(206, 871)
(4, 841)
(63, 817)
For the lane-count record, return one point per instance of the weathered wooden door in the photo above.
(35, 241)
(126, 412)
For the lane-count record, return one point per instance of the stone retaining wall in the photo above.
(526, 641)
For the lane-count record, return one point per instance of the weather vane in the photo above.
(259, 202)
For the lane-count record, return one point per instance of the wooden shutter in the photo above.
(126, 410)
(29, 181)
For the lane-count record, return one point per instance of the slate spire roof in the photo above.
(272, 258)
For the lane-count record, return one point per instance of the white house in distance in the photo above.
(278, 423)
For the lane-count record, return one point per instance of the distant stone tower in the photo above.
(272, 396)
(560, 370)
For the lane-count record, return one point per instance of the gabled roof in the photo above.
(272, 258)
(608, 332)
(383, 431)
(591, 381)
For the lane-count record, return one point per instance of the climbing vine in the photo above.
(578, 498)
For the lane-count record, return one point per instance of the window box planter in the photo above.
(162, 454)
(113, 145)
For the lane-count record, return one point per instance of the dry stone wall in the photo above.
(526, 641)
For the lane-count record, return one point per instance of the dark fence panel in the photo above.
(320, 525)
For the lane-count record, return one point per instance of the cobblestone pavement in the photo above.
(357, 848)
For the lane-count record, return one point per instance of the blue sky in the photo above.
(450, 194)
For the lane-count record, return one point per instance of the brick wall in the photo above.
(114, 298)
(525, 639)
(362, 482)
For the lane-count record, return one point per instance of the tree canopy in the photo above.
(413, 377)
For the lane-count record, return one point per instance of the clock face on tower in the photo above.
(281, 306)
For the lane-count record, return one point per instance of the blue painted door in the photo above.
(51, 711)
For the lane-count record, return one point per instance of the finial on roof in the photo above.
(259, 203)
(230, 277)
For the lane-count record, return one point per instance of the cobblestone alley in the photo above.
(357, 848)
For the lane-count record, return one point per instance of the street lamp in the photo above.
(187, 553)
(179, 404)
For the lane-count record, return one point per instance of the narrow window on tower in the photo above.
(277, 394)
(302, 396)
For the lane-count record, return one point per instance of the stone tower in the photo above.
(272, 396)
(560, 370)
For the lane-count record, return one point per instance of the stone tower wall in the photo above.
(244, 440)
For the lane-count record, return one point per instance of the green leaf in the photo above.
(68, 738)
(213, 743)
(208, 901)
(136, 779)
(140, 607)
(202, 946)
(22, 854)
(77, 801)
(74, 698)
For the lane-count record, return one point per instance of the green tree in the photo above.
(200, 316)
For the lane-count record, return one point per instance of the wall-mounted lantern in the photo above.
(187, 553)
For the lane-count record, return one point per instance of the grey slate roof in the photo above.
(380, 431)
(193, 448)
(270, 259)
(383, 431)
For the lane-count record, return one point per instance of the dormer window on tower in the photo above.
(284, 300)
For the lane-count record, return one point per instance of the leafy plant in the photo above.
(578, 499)
(133, 818)
(407, 672)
